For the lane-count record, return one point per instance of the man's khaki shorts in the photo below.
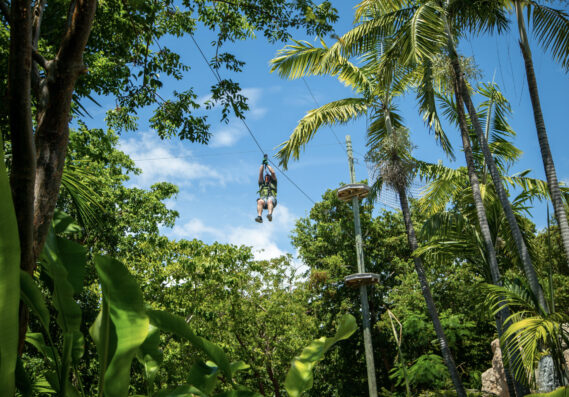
(266, 201)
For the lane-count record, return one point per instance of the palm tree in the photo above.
(532, 328)
(395, 167)
(461, 119)
(301, 59)
(462, 94)
(552, 29)
(420, 32)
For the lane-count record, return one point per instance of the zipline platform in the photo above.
(348, 192)
(358, 279)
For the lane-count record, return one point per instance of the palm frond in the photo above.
(377, 129)
(537, 188)
(478, 16)
(298, 60)
(78, 182)
(371, 8)
(304, 59)
(336, 112)
(451, 237)
(530, 329)
(551, 28)
(426, 97)
(445, 184)
(365, 36)
(423, 35)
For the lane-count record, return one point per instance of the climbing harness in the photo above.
(267, 190)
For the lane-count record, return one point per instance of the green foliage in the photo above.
(560, 392)
(323, 241)
(132, 61)
(533, 330)
(299, 377)
(120, 328)
(9, 283)
(427, 371)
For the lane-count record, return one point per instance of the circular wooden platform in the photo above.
(347, 192)
(359, 279)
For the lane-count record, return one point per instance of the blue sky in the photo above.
(218, 182)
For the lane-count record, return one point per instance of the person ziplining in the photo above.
(267, 191)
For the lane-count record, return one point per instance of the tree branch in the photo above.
(39, 59)
(36, 25)
(251, 6)
(257, 374)
(52, 134)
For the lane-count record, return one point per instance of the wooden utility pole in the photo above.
(372, 386)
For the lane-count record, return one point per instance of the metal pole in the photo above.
(372, 386)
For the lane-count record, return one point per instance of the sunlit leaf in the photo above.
(9, 283)
(130, 324)
(299, 378)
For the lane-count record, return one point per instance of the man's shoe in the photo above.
(259, 219)
(270, 217)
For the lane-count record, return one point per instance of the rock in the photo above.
(494, 379)
(546, 379)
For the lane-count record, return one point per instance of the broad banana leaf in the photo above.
(36, 340)
(64, 224)
(299, 378)
(174, 324)
(64, 281)
(64, 261)
(181, 391)
(121, 327)
(150, 355)
(9, 283)
(203, 376)
(33, 298)
(23, 382)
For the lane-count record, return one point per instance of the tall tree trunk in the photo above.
(513, 385)
(37, 165)
(546, 156)
(523, 252)
(52, 135)
(425, 289)
(447, 355)
(23, 167)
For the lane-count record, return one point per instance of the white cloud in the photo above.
(195, 228)
(254, 97)
(230, 134)
(261, 237)
(262, 241)
(166, 161)
(227, 136)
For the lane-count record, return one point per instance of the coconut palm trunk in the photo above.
(546, 156)
(462, 91)
(504, 313)
(426, 291)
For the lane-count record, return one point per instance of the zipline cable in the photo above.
(316, 102)
(218, 78)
